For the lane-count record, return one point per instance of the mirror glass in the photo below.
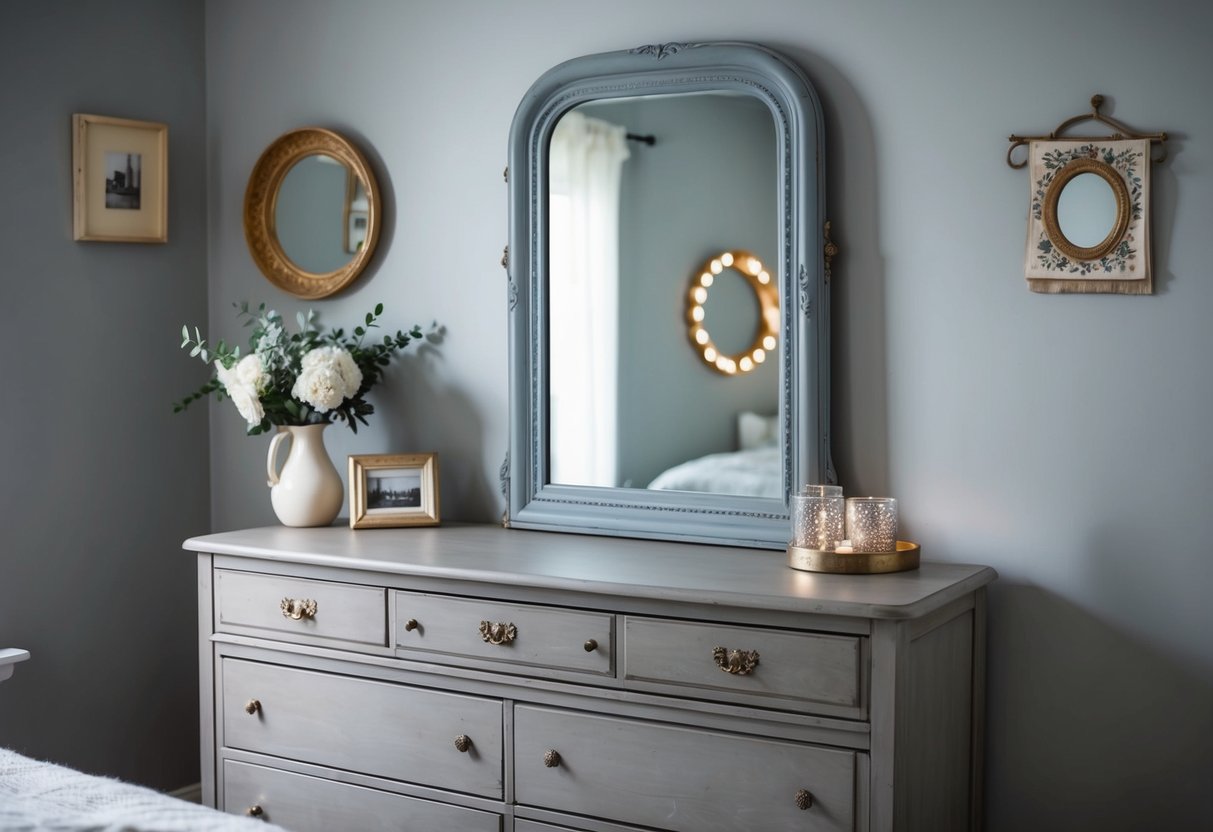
(628, 172)
(312, 213)
(1087, 210)
(631, 224)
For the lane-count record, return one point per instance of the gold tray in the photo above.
(857, 563)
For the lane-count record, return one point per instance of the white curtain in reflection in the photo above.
(584, 164)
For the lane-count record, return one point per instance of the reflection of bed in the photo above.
(756, 472)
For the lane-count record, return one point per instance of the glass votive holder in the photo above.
(872, 524)
(818, 517)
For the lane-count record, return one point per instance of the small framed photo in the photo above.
(119, 179)
(393, 490)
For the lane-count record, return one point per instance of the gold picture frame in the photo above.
(119, 180)
(393, 490)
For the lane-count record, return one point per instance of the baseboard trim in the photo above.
(191, 793)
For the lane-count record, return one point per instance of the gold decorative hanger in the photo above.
(1122, 132)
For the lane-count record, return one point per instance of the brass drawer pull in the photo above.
(590, 645)
(254, 811)
(462, 743)
(496, 632)
(252, 706)
(804, 799)
(411, 625)
(737, 662)
(298, 608)
(551, 758)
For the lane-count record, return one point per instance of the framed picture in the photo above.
(119, 179)
(393, 490)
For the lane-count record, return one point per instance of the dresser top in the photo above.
(680, 572)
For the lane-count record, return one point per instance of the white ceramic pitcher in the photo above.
(308, 491)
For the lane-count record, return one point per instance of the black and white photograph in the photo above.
(122, 180)
(119, 180)
(388, 490)
(393, 488)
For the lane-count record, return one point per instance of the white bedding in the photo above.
(44, 796)
(757, 472)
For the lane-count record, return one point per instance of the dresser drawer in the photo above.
(298, 609)
(377, 728)
(794, 670)
(676, 778)
(514, 633)
(311, 804)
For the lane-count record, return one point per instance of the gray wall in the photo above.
(1063, 440)
(101, 481)
(707, 185)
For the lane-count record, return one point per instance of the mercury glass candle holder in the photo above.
(872, 524)
(818, 517)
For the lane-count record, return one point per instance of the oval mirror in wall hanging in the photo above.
(1086, 209)
(311, 212)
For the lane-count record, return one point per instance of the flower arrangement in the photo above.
(302, 378)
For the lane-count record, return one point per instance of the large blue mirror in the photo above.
(633, 176)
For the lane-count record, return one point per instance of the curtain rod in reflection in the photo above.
(650, 140)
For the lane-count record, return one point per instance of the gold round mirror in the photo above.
(1086, 209)
(311, 213)
(766, 333)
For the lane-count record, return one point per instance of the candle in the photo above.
(872, 524)
(818, 517)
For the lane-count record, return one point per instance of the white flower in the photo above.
(248, 404)
(328, 376)
(244, 383)
(250, 371)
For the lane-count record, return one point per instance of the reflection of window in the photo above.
(585, 162)
(357, 212)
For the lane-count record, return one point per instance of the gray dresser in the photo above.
(483, 680)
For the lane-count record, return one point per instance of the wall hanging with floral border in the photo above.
(1089, 217)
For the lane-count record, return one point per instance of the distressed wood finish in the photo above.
(250, 604)
(545, 637)
(868, 692)
(709, 782)
(376, 728)
(311, 804)
(805, 670)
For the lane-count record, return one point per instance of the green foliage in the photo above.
(281, 355)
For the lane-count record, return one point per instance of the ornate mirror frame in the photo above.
(672, 68)
(1052, 223)
(261, 204)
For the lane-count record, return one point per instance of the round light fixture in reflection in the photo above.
(766, 335)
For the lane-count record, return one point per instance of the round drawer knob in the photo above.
(255, 811)
(463, 742)
(590, 645)
(804, 799)
(551, 758)
(252, 706)
(410, 625)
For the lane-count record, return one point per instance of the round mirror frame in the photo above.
(766, 334)
(261, 203)
(1053, 195)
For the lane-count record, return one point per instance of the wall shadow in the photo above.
(859, 419)
(1087, 727)
(432, 413)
